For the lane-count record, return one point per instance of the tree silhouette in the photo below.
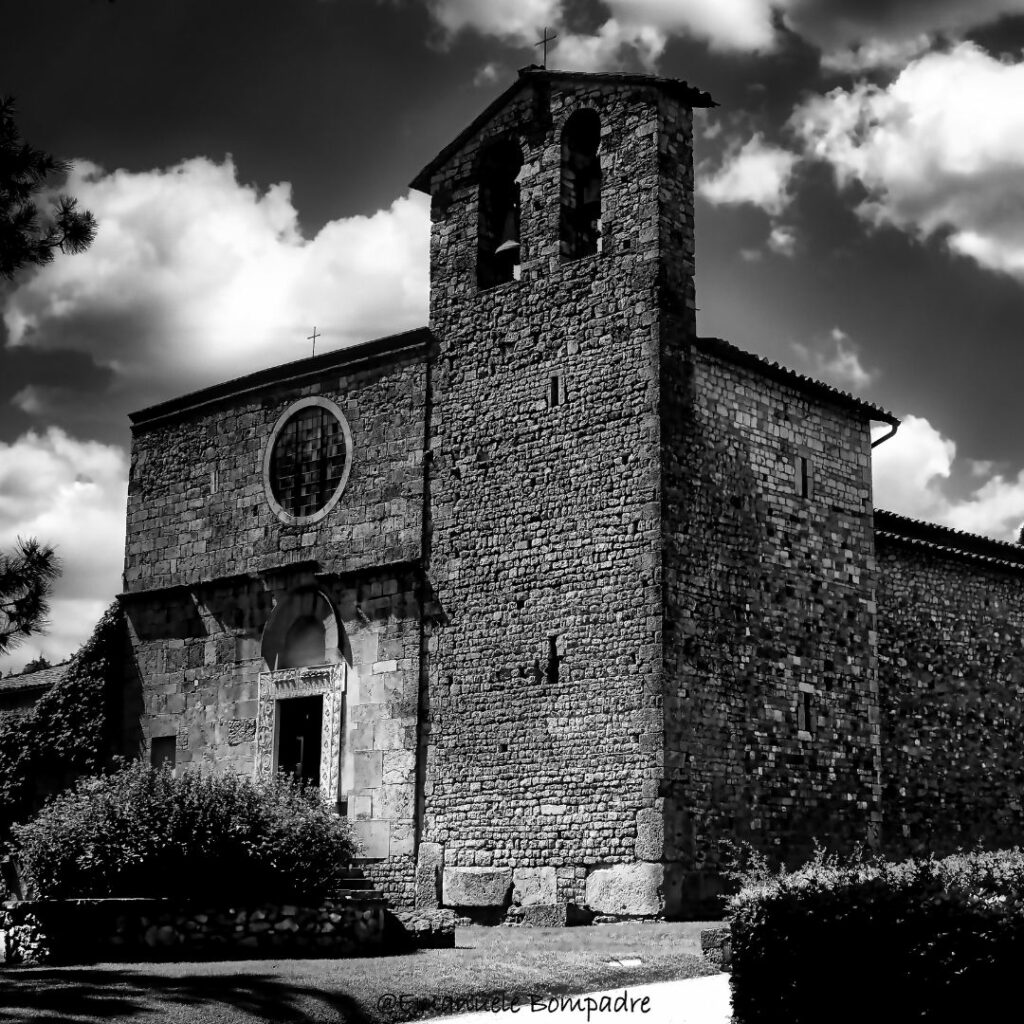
(27, 238)
(25, 581)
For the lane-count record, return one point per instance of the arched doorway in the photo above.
(302, 692)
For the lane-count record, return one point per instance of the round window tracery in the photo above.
(307, 460)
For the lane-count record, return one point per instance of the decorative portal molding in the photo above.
(328, 680)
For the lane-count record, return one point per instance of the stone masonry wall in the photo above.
(544, 745)
(195, 665)
(208, 561)
(197, 506)
(87, 930)
(771, 731)
(951, 678)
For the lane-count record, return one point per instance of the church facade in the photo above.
(554, 598)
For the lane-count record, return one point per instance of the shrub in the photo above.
(68, 732)
(846, 940)
(143, 832)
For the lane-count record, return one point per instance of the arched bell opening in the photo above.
(580, 221)
(498, 225)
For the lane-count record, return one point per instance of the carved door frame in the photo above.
(282, 684)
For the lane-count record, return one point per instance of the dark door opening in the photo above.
(298, 737)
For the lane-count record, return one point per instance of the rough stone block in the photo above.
(399, 766)
(534, 886)
(394, 802)
(403, 838)
(366, 769)
(429, 865)
(716, 947)
(373, 836)
(626, 889)
(389, 734)
(650, 834)
(476, 887)
(360, 806)
(360, 736)
(540, 915)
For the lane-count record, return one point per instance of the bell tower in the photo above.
(561, 266)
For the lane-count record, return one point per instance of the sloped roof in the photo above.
(890, 526)
(42, 679)
(381, 348)
(533, 75)
(809, 385)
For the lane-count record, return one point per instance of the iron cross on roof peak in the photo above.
(312, 337)
(543, 41)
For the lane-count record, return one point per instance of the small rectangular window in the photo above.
(805, 712)
(553, 660)
(804, 476)
(556, 393)
(162, 751)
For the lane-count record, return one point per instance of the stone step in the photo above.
(356, 894)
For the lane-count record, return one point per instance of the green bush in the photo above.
(849, 940)
(143, 832)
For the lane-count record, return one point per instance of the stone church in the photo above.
(553, 597)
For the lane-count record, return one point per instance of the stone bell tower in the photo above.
(561, 266)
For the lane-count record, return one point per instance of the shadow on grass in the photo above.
(90, 994)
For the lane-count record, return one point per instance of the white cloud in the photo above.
(194, 278)
(635, 31)
(756, 172)
(782, 240)
(70, 494)
(487, 74)
(875, 54)
(840, 365)
(613, 45)
(515, 20)
(910, 470)
(852, 35)
(941, 149)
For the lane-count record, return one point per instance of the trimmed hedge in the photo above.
(853, 940)
(69, 731)
(142, 831)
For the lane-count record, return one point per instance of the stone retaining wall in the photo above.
(89, 930)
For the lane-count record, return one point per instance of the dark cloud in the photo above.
(835, 24)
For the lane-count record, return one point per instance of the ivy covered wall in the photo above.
(71, 729)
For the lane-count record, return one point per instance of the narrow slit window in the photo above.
(556, 393)
(804, 476)
(805, 712)
(553, 659)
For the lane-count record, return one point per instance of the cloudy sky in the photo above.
(860, 216)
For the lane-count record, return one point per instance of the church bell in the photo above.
(509, 234)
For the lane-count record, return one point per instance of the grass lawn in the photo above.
(486, 961)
